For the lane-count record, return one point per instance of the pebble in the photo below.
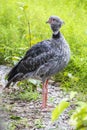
(32, 110)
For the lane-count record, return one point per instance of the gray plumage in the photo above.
(44, 59)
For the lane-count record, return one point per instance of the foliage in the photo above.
(78, 117)
(17, 122)
(27, 90)
(38, 123)
(15, 38)
(59, 109)
(15, 117)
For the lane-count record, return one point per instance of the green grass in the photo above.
(27, 91)
(14, 37)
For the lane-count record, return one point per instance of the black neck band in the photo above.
(56, 36)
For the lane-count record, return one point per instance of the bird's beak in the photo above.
(49, 21)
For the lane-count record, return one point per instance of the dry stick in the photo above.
(29, 32)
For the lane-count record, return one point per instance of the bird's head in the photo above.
(55, 23)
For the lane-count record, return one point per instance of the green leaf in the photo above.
(15, 117)
(84, 128)
(55, 114)
(80, 103)
(21, 8)
(35, 82)
(79, 117)
(59, 109)
(72, 94)
(25, 7)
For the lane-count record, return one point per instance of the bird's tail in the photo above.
(8, 84)
(13, 75)
(16, 78)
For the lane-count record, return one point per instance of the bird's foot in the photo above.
(46, 108)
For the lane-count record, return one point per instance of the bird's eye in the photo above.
(53, 19)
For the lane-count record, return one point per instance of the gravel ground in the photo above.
(32, 117)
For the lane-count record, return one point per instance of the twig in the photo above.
(29, 32)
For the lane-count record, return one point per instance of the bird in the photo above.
(43, 60)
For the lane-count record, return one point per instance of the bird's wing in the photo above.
(29, 64)
(38, 49)
(34, 57)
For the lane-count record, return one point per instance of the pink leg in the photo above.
(44, 94)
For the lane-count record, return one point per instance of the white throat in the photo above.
(56, 32)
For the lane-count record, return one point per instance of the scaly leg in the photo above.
(44, 94)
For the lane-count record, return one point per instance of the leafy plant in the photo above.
(15, 37)
(15, 117)
(17, 122)
(79, 117)
(59, 109)
(38, 123)
(11, 126)
(27, 91)
(24, 7)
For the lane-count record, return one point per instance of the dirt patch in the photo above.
(24, 115)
